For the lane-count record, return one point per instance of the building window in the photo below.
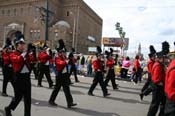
(2, 12)
(8, 12)
(29, 10)
(15, 13)
(22, 10)
(35, 34)
(67, 13)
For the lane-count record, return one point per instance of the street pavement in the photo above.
(122, 102)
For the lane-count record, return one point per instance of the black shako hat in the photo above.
(19, 37)
(61, 47)
(152, 51)
(98, 53)
(165, 50)
(8, 43)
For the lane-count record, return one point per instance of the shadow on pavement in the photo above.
(89, 112)
(87, 88)
(129, 88)
(132, 101)
(2, 112)
(40, 103)
(130, 92)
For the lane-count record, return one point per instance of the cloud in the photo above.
(145, 21)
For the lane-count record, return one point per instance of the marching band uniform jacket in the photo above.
(43, 57)
(170, 82)
(18, 61)
(150, 65)
(158, 73)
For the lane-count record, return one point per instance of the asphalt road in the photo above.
(122, 102)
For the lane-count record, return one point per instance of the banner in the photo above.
(116, 42)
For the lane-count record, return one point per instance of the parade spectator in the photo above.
(125, 67)
(89, 66)
(136, 68)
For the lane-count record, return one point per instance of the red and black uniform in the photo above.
(7, 71)
(44, 68)
(98, 69)
(33, 64)
(170, 90)
(72, 67)
(22, 83)
(158, 96)
(147, 88)
(137, 70)
(111, 73)
(62, 79)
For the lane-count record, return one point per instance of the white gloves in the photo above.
(47, 51)
(23, 54)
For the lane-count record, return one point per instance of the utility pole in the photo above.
(46, 21)
(122, 36)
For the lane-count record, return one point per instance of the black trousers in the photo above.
(169, 108)
(22, 86)
(98, 79)
(44, 70)
(74, 70)
(34, 68)
(7, 76)
(111, 76)
(137, 76)
(158, 101)
(124, 73)
(147, 89)
(62, 80)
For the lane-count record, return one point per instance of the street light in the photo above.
(122, 36)
(74, 28)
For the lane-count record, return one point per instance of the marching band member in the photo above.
(62, 77)
(99, 70)
(158, 78)
(7, 66)
(44, 69)
(22, 83)
(110, 67)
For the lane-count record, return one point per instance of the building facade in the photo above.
(71, 20)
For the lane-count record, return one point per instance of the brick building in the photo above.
(71, 20)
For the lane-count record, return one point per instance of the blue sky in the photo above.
(144, 21)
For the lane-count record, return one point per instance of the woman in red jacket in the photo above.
(137, 68)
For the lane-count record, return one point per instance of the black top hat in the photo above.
(152, 51)
(19, 37)
(159, 54)
(61, 47)
(8, 43)
(98, 53)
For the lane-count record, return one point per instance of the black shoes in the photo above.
(141, 96)
(106, 94)
(70, 105)
(7, 111)
(116, 87)
(4, 94)
(39, 86)
(90, 94)
(53, 103)
(77, 81)
(50, 86)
